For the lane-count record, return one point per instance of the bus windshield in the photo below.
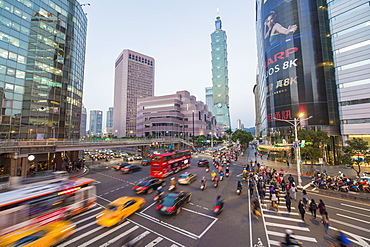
(156, 158)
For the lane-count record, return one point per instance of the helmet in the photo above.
(288, 231)
(173, 178)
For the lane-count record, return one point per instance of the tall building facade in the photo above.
(42, 57)
(109, 123)
(350, 32)
(295, 68)
(177, 115)
(209, 98)
(220, 78)
(134, 79)
(83, 122)
(96, 122)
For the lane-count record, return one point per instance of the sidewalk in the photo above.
(292, 168)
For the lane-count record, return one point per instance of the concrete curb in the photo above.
(345, 195)
(85, 171)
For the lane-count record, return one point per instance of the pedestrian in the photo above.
(294, 192)
(288, 201)
(251, 187)
(290, 179)
(322, 208)
(305, 197)
(262, 193)
(287, 163)
(313, 208)
(326, 222)
(301, 209)
(273, 199)
(283, 185)
(261, 156)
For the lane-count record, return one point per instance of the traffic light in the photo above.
(303, 143)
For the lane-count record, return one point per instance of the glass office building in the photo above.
(42, 57)
(220, 77)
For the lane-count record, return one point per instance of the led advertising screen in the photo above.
(293, 81)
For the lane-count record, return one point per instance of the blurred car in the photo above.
(145, 162)
(128, 158)
(138, 157)
(187, 178)
(148, 186)
(173, 202)
(366, 174)
(203, 162)
(46, 235)
(117, 155)
(118, 210)
(130, 169)
(120, 166)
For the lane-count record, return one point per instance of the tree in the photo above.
(200, 139)
(314, 140)
(244, 137)
(355, 148)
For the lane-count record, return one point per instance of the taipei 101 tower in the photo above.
(220, 80)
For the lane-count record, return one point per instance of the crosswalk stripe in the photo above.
(154, 242)
(87, 218)
(355, 207)
(137, 238)
(287, 226)
(346, 216)
(85, 226)
(282, 218)
(273, 242)
(104, 234)
(350, 225)
(119, 236)
(80, 236)
(91, 210)
(174, 245)
(302, 238)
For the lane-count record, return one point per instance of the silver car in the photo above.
(187, 178)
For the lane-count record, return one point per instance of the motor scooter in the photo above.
(159, 197)
(203, 186)
(218, 208)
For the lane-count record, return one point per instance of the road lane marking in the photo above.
(148, 207)
(361, 214)
(178, 244)
(273, 242)
(195, 212)
(282, 218)
(120, 236)
(355, 207)
(81, 236)
(155, 242)
(137, 239)
(345, 216)
(102, 235)
(306, 186)
(350, 225)
(287, 226)
(303, 238)
(208, 227)
(104, 198)
(91, 210)
(167, 225)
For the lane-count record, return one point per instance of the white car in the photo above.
(187, 178)
(128, 158)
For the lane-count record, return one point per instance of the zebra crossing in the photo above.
(129, 233)
(278, 221)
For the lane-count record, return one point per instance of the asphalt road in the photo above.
(196, 225)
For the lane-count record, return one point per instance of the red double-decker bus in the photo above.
(163, 165)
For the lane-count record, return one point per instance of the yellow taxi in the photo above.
(46, 235)
(118, 210)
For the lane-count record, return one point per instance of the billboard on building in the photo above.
(293, 81)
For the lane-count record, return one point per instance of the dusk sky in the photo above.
(177, 35)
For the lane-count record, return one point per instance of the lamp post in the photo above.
(193, 127)
(295, 123)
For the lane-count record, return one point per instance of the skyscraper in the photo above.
(220, 79)
(96, 122)
(83, 122)
(134, 78)
(350, 32)
(109, 124)
(42, 56)
(209, 98)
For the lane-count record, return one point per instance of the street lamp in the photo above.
(295, 123)
(211, 139)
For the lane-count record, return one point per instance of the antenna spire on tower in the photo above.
(218, 11)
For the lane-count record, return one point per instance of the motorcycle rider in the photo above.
(239, 185)
(213, 175)
(219, 202)
(227, 170)
(289, 240)
(203, 181)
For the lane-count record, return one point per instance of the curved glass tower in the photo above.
(42, 59)
(220, 78)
